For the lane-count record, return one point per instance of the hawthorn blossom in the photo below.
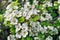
(11, 37)
(24, 33)
(49, 38)
(45, 16)
(13, 21)
(18, 27)
(18, 35)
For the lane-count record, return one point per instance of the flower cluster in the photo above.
(31, 20)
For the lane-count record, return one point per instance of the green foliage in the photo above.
(56, 5)
(46, 23)
(39, 6)
(50, 9)
(53, 14)
(0, 30)
(42, 1)
(56, 23)
(6, 23)
(12, 30)
(15, 3)
(41, 36)
(28, 37)
(21, 19)
(1, 17)
(35, 18)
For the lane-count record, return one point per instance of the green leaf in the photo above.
(46, 23)
(53, 14)
(50, 9)
(39, 6)
(35, 18)
(21, 19)
(1, 17)
(12, 30)
(15, 3)
(0, 30)
(56, 5)
(56, 23)
(28, 38)
(42, 1)
(41, 36)
(23, 38)
(7, 23)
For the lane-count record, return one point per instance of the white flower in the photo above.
(35, 2)
(18, 35)
(24, 33)
(42, 18)
(8, 17)
(10, 10)
(11, 37)
(18, 27)
(43, 30)
(59, 19)
(58, 27)
(15, 7)
(19, 14)
(27, 4)
(59, 1)
(32, 24)
(24, 13)
(49, 4)
(33, 6)
(8, 7)
(13, 21)
(35, 11)
(55, 30)
(45, 16)
(25, 27)
(15, 11)
(50, 27)
(27, 17)
(59, 7)
(29, 14)
(49, 38)
(37, 26)
(59, 37)
(9, 0)
(8, 38)
(44, 5)
(36, 38)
